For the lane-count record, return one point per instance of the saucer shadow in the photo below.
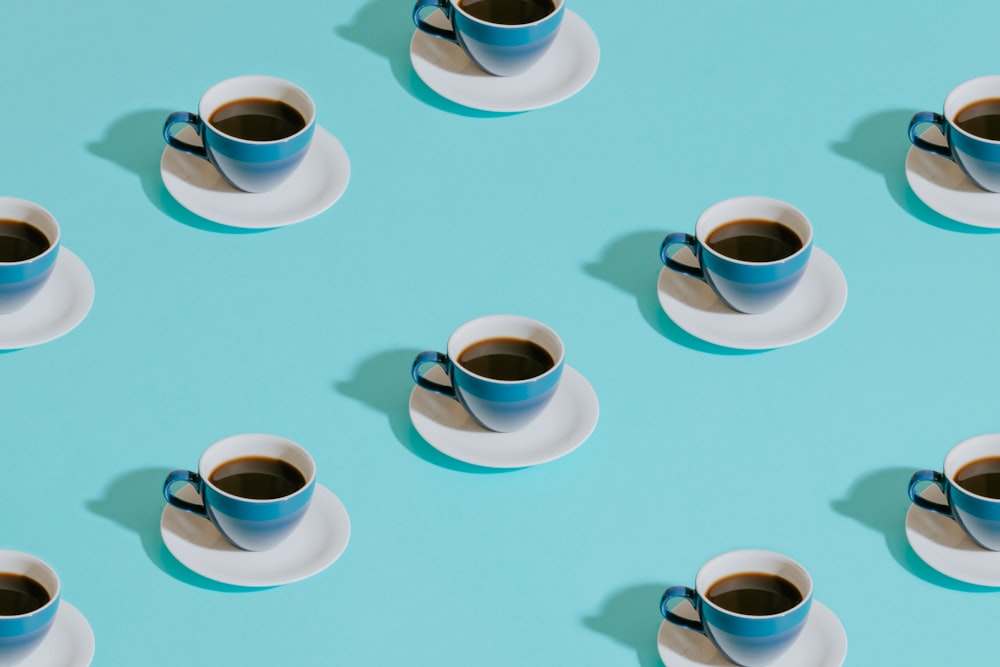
(135, 501)
(879, 500)
(383, 382)
(135, 142)
(385, 27)
(880, 143)
(632, 264)
(631, 617)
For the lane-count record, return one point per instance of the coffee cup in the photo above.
(255, 130)
(971, 487)
(29, 246)
(752, 251)
(504, 369)
(29, 600)
(971, 128)
(254, 487)
(502, 37)
(751, 604)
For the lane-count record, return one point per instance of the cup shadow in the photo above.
(630, 617)
(632, 264)
(383, 382)
(878, 500)
(134, 142)
(385, 29)
(880, 143)
(134, 501)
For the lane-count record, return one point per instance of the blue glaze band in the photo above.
(496, 35)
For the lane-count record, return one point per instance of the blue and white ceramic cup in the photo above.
(498, 405)
(248, 523)
(745, 286)
(22, 633)
(497, 48)
(748, 640)
(22, 280)
(979, 516)
(251, 166)
(978, 157)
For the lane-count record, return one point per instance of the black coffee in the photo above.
(981, 118)
(258, 478)
(20, 241)
(754, 594)
(981, 477)
(506, 359)
(257, 119)
(20, 594)
(508, 12)
(754, 240)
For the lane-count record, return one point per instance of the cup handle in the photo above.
(441, 360)
(433, 30)
(687, 594)
(923, 118)
(187, 477)
(680, 238)
(935, 478)
(188, 119)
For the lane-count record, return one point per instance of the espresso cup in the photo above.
(29, 246)
(751, 604)
(27, 607)
(502, 37)
(971, 486)
(504, 369)
(254, 487)
(255, 130)
(752, 251)
(971, 144)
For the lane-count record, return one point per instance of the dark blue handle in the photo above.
(680, 238)
(935, 478)
(923, 118)
(186, 118)
(441, 360)
(187, 477)
(685, 593)
(433, 30)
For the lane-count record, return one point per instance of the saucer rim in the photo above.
(582, 32)
(184, 194)
(821, 264)
(338, 521)
(70, 620)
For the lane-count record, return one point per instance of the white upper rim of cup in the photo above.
(764, 208)
(257, 85)
(967, 451)
(12, 208)
(964, 94)
(455, 4)
(256, 444)
(506, 326)
(753, 560)
(18, 562)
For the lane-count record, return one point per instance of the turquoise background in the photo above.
(199, 331)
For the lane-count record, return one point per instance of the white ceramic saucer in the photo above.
(815, 304)
(318, 182)
(564, 425)
(941, 543)
(944, 187)
(70, 642)
(823, 643)
(314, 545)
(57, 309)
(567, 67)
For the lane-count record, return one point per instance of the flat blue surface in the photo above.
(199, 331)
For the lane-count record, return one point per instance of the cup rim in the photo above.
(748, 201)
(456, 5)
(558, 360)
(702, 591)
(45, 567)
(258, 78)
(27, 207)
(206, 474)
(951, 102)
(958, 457)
